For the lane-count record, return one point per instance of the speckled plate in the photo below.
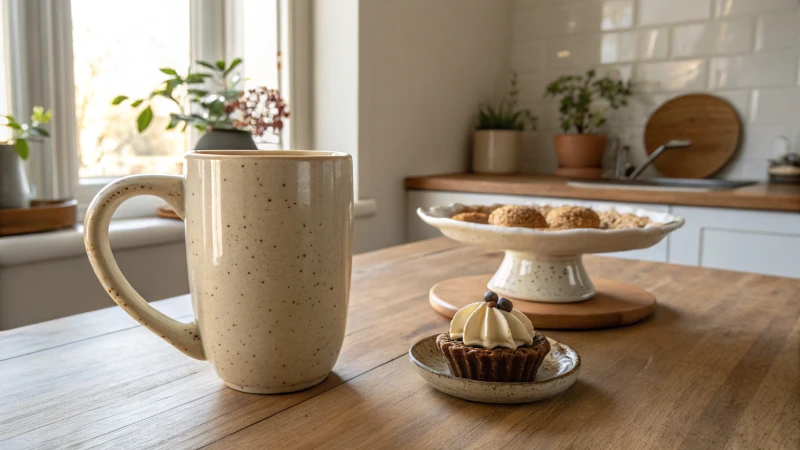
(555, 242)
(558, 372)
(546, 266)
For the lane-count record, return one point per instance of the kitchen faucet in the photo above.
(623, 167)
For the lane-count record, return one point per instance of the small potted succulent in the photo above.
(498, 134)
(14, 189)
(584, 101)
(211, 101)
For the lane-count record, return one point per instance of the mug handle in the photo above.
(185, 337)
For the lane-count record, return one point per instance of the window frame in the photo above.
(45, 28)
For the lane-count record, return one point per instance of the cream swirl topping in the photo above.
(480, 325)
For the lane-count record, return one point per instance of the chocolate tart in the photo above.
(494, 364)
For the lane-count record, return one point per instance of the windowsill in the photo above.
(123, 234)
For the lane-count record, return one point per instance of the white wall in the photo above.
(44, 290)
(745, 51)
(335, 121)
(424, 67)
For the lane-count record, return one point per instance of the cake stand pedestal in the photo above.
(615, 304)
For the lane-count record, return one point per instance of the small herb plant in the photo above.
(186, 90)
(578, 96)
(506, 116)
(216, 91)
(24, 132)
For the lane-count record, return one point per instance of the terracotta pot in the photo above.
(496, 151)
(580, 150)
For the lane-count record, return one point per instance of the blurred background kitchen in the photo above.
(401, 85)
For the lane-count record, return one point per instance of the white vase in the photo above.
(496, 151)
(14, 189)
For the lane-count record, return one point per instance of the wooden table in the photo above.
(718, 366)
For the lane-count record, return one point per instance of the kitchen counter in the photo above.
(715, 367)
(760, 196)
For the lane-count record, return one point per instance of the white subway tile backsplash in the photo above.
(558, 20)
(527, 56)
(778, 31)
(617, 15)
(573, 52)
(651, 12)
(759, 141)
(713, 38)
(745, 51)
(735, 7)
(681, 75)
(639, 109)
(636, 45)
(531, 87)
(775, 107)
(739, 99)
(754, 70)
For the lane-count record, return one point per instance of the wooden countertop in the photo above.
(718, 365)
(759, 196)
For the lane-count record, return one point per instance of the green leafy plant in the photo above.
(505, 116)
(24, 132)
(579, 94)
(212, 90)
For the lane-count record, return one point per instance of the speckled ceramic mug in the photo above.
(269, 245)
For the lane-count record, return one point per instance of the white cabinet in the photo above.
(765, 242)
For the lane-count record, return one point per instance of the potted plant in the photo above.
(211, 101)
(498, 134)
(14, 189)
(581, 116)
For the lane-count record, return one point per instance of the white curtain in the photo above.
(39, 46)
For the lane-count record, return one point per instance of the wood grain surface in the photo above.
(616, 304)
(762, 196)
(708, 121)
(717, 366)
(43, 215)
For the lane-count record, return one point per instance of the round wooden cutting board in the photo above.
(616, 304)
(708, 121)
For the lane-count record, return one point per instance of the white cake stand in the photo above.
(546, 266)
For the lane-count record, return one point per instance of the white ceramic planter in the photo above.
(14, 189)
(546, 266)
(496, 151)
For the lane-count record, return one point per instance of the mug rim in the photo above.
(266, 154)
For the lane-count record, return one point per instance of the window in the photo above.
(75, 56)
(260, 49)
(114, 57)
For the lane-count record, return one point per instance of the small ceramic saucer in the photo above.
(558, 372)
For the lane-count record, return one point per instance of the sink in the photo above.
(665, 184)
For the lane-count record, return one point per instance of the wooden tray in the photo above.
(616, 304)
(43, 215)
(167, 213)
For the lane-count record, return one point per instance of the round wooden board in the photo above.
(616, 304)
(708, 121)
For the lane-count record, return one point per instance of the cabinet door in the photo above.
(418, 230)
(765, 242)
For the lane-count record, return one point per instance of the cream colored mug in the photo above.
(269, 250)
